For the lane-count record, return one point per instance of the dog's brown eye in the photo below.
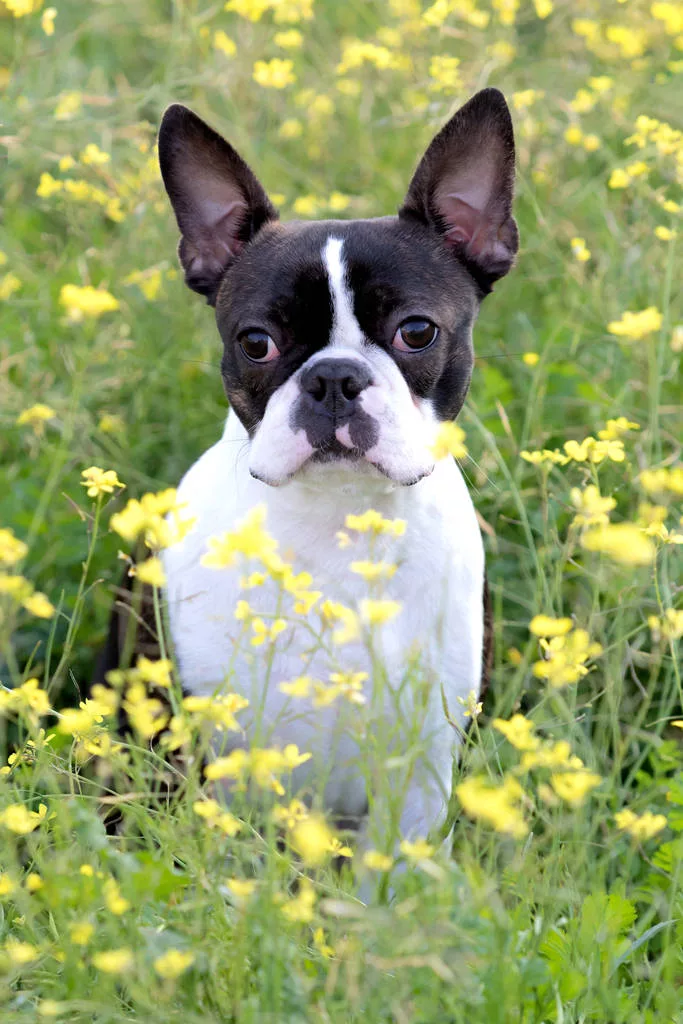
(259, 347)
(414, 335)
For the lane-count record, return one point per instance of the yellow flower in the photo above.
(299, 687)
(36, 416)
(624, 542)
(252, 10)
(100, 481)
(114, 961)
(9, 284)
(151, 572)
(591, 143)
(445, 74)
(573, 135)
(319, 942)
(306, 206)
(420, 849)
(573, 787)
(531, 358)
(377, 861)
(619, 179)
(263, 632)
(661, 481)
(640, 826)
(173, 963)
(34, 882)
(249, 538)
(518, 731)
(47, 20)
(69, 105)
(113, 899)
(546, 625)
(546, 455)
(7, 885)
(636, 326)
(12, 550)
(291, 128)
(215, 817)
(219, 710)
(301, 908)
(581, 253)
(543, 8)
(87, 302)
(372, 522)
(338, 202)
(241, 888)
(156, 518)
(292, 39)
(449, 441)
(377, 613)
(311, 838)
(566, 657)
(497, 805)
(615, 428)
(20, 953)
(223, 42)
(81, 932)
(37, 604)
(670, 626)
(665, 234)
(93, 156)
(592, 508)
(274, 74)
(20, 820)
(372, 571)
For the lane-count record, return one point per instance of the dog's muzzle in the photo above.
(330, 408)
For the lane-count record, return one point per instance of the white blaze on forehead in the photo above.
(346, 330)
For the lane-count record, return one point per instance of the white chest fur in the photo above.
(439, 583)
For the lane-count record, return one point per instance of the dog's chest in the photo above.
(438, 582)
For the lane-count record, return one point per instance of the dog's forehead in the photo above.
(385, 262)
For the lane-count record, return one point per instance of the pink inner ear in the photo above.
(466, 224)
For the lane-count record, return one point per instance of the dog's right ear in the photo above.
(218, 202)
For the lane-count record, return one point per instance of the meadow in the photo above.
(559, 894)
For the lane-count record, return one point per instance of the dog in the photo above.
(345, 345)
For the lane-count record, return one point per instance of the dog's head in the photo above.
(346, 341)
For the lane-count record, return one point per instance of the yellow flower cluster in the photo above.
(449, 440)
(19, 589)
(570, 780)
(636, 326)
(87, 302)
(669, 626)
(264, 765)
(347, 685)
(588, 450)
(623, 542)
(36, 416)
(640, 826)
(274, 74)
(216, 817)
(27, 700)
(100, 481)
(566, 651)
(663, 481)
(498, 805)
(155, 518)
(81, 191)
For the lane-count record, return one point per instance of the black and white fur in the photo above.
(336, 415)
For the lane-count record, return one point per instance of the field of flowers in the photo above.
(559, 896)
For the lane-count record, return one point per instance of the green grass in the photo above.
(574, 922)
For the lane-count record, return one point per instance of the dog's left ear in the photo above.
(463, 187)
(218, 201)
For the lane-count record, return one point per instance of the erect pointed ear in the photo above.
(218, 202)
(463, 187)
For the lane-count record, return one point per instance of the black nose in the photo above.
(335, 384)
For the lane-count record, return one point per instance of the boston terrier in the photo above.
(345, 345)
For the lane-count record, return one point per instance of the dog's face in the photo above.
(346, 341)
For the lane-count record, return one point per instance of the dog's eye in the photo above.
(259, 347)
(414, 335)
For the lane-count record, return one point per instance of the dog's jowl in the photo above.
(345, 345)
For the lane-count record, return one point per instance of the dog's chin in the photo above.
(333, 464)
